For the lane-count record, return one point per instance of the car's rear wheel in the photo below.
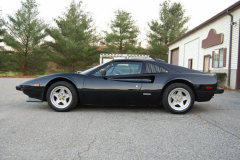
(178, 98)
(62, 96)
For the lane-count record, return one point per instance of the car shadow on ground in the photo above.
(94, 108)
(197, 108)
(200, 108)
(90, 108)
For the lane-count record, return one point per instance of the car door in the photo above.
(120, 85)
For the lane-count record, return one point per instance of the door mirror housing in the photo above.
(103, 72)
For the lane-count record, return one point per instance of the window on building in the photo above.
(219, 58)
(190, 61)
(152, 68)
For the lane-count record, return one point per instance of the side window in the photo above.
(121, 68)
(127, 68)
(108, 69)
(152, 68)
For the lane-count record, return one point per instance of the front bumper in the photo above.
(18, 88)
(32, 91)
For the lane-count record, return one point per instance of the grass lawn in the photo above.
(17, 74)
(10, 74)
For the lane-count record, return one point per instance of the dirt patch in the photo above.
(225, 88)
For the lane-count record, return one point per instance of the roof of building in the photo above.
(214, 18)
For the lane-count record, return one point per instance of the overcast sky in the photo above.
(142, 10)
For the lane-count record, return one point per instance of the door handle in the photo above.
(126, 80)
(146, 80)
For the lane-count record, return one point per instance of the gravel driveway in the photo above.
(211, 130)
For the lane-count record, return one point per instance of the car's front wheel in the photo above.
(178, 98)
(62, 96)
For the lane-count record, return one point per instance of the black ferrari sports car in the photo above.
(125, 82)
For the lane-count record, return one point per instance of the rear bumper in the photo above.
(219, 91)
(203, 96)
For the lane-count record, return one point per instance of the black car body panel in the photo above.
(44, 82)
(135, 89)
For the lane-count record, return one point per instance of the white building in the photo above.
(212, 47)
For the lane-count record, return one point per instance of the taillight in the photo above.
(208, 87)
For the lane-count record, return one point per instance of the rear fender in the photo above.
(184, 81)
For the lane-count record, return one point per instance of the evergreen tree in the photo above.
(124, 33)
(171, 26)
(2, 54)
(5, 56)
(24, 37)
(73, 47)
(1, 28)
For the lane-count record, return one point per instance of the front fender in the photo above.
(37, 88)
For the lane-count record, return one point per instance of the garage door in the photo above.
(174, 56)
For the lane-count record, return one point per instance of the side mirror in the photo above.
(79, 72)
(103, 72)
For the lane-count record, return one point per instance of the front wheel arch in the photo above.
(54, 81)
(62, 96)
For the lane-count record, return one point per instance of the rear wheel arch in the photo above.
(57, 80)
(181, 81)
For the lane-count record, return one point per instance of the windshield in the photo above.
(91, 69)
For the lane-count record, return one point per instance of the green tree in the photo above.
(2, 54)
(123, 35)
(171, 26)
(5, 56)
(1, 27)
(74, 40)
(24, 37)
(2, 31)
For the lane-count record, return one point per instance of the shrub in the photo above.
(221, 77)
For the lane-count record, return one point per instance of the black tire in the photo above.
(183, 100)
(68, 90)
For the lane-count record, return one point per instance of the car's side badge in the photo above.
(147, 94)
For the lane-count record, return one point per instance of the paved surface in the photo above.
(211, 130)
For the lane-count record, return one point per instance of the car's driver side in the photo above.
(115, 83)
